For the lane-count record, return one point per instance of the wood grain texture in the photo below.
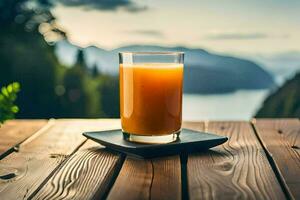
(13, 132)
(281, 138)
(85, 175)
(237, 169)
(23, 172)
(148, 179)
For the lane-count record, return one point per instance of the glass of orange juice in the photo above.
(151, 96)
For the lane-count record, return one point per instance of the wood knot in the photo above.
(226, 166)
(17, 148)
(57, 155)
(222, 127)
(295, 147)
(280, 131)
(7, 176)
(7, 173)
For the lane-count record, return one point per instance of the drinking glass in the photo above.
(151, 96)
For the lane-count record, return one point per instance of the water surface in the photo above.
(240, 105)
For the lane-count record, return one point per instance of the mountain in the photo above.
(204, 72)
(284, 102)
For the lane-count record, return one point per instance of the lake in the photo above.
(239, 105)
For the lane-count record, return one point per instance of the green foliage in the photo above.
(48, 88)
(95, 72)
(80, 98)
(26, 57)
(80, 59)
(284, 102)
(109, 90)
(8, 96)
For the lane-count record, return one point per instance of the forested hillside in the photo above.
(285, 102)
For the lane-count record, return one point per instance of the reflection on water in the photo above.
(240, 105)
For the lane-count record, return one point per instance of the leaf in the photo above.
(9, 88)
(14, 109)
(16, 86)
(8, 96)
(4, 91)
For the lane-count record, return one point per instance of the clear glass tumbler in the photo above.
(151, 96)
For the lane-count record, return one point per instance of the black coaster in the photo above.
(189, 141)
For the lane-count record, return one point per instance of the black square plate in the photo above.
(190, 141)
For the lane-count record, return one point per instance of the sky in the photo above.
(230, 26)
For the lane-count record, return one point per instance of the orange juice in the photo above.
(151, 98)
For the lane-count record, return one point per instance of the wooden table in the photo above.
(43, 159)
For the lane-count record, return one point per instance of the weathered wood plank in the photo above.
(13, 132)
(238, 169)
(38, 158)
(281, 138)
(148, 179)
(85, 175)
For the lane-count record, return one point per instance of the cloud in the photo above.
(111, 5)
(152, 33)
(237, 36)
